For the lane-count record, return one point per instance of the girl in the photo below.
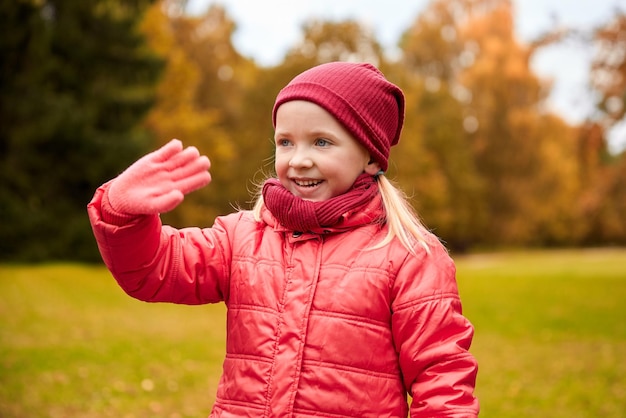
(340, 303)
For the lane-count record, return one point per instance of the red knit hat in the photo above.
(359, 97)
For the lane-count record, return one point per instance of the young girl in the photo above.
(340, 303)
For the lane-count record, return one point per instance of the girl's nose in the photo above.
(300, 158)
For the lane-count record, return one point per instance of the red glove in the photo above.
(159, 181)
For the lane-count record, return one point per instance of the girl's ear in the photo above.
(372, 167)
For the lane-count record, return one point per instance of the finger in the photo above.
(190, 168)
(193, 182)
(179, 159)
(184, 157)
(167, 151)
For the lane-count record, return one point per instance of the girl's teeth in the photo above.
(307, 183)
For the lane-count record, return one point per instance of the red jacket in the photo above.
(317, 326)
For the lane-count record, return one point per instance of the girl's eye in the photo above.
(283, 142)
(321, 142)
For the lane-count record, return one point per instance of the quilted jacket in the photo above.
(318, 324)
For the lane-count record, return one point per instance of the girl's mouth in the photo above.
(307, 183)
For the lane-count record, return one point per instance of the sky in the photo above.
(267, 28)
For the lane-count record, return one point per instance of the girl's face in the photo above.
(316, 157)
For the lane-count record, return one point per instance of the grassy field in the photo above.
(550, 340)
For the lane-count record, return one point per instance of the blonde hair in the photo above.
(402, 220)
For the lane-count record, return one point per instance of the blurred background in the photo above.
(513, 152)
(492, 156)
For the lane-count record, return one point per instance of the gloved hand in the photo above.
(159, 181)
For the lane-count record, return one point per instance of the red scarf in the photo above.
(302, 215)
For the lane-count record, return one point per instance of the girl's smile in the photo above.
(307, 183)
(306, 189)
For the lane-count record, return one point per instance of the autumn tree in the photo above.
(526, 156)
(603, 201)
(325, 41)
(608, 71)
(513, 172)
(199, 102)
(443, 174)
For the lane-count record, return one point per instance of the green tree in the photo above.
(76, 79)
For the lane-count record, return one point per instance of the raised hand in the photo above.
(159, 181)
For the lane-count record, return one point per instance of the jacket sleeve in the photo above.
(157, 263)
(433, 338)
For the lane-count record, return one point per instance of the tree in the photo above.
(504, 95)
(608, 71)
(500, 157)
(325, 41)
(70, 103)
(200, 101)
(603, 199)
(444, 175)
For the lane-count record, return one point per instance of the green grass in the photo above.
(550, 340)
(72, 344)
(550, 332)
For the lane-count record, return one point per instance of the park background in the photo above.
(531, 205)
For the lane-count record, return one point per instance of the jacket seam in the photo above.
(239, 356)
(315, 413)
(254, 308)
(455, 413)
(353, 268)
(351, 369)
(393, 277)
(427, 299)
(351, 318)
(304, 324)
(256, 260)
(224, 402)
(279, 321)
